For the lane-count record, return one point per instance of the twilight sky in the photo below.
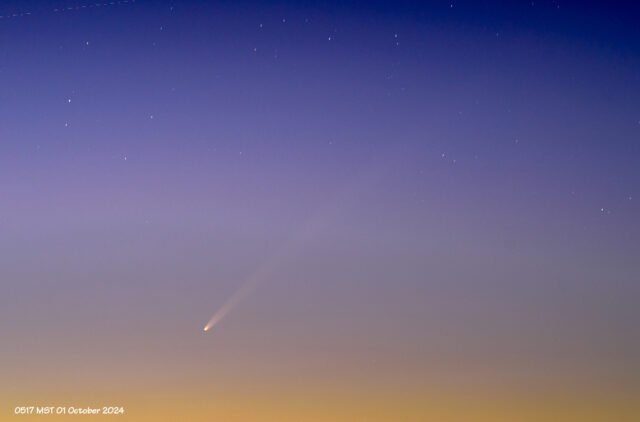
(417, 211)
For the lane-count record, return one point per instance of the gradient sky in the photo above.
(441, 202)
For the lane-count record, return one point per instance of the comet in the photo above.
(316, 223)
(284, 253)
(255, 279)
(231, 303)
